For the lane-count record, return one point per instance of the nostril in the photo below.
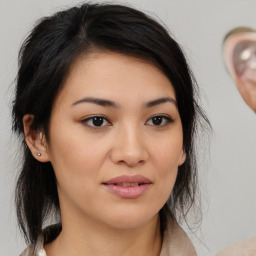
(130, 163)
(128, 154)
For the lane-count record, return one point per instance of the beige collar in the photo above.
(175, 242)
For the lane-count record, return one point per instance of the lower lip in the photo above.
(128, 192)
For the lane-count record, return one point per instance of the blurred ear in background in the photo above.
(239, 50)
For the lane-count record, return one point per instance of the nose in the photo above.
(129, 147)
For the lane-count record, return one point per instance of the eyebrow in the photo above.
(109, 103)
(97, 101)
(160, 101)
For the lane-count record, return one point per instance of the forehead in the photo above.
(115, 75)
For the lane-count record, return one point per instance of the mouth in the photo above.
(135, 184)
(128, 187)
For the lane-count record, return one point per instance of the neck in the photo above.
(96, 239)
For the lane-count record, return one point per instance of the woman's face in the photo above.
(115, 140)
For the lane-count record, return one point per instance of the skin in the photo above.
(95, 221)
(247, 88)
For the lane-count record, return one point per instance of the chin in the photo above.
(130, 220)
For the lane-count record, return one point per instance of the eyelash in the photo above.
(86, 121)
(167, 120)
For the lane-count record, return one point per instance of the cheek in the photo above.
(166, 159)
(76, 160)
(167, 155)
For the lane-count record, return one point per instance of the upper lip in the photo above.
(129, 179)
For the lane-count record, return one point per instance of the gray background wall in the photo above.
(228, 169)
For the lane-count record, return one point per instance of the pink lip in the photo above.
(114, 185)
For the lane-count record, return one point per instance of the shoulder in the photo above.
(48, 235)
(244, 248)
(29, 251)
(176, 241)
(35, 250)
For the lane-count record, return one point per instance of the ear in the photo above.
(35, 140)
(242, 67)
(182, 158)
(247, 89)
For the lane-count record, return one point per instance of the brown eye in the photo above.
(96, 121)
(159, 120)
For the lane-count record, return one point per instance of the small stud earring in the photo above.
(39, 154)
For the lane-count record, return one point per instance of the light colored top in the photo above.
(244, 248)
(37, 250)
(175, 242)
